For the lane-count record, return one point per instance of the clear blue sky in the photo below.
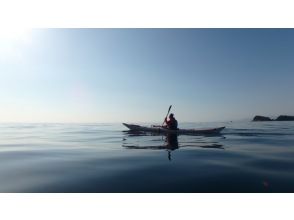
(133, 75)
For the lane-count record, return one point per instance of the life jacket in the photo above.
(173, 124)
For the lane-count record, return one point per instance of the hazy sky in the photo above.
(133, 75)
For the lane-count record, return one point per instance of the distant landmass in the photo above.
(280, 118)
(261, 118)
(285, 118)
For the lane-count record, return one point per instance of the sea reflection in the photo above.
(170, 142)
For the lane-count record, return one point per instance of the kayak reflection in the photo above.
(169, 142)
(172, 143)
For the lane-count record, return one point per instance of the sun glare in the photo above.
(14, 34)
(12, 41)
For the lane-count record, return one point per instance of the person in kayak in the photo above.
(172, 123)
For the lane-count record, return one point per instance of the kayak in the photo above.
(159, 129)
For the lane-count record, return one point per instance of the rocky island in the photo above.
(285, 118)
(261, 118)
(280, 118)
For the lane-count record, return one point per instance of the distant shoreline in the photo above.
(279, 118)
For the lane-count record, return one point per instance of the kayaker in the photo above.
(172, 123)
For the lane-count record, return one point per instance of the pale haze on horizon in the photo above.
(133, 75)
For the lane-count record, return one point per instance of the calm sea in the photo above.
(246, 157)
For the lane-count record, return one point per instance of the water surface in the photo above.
(247, 157)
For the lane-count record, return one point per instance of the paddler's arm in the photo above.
(165, 120)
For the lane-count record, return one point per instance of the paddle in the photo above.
(166, 114)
